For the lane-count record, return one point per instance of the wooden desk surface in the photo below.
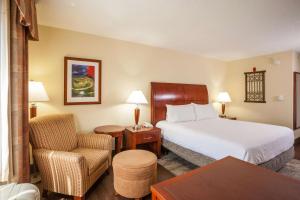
(228, 179)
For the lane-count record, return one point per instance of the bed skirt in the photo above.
(199, 159)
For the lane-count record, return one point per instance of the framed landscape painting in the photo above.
(82, 81)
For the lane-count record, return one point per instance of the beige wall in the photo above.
(278, 82)
(126, 66)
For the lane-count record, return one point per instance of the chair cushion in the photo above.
(94, 157)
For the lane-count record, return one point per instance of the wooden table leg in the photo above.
(155, 146)
(119, 143)
(133, 146)
(133, 143)
(158, 148)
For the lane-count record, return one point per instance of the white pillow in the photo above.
(205, 111)
(180, 113)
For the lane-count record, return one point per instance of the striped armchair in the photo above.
(69, 163)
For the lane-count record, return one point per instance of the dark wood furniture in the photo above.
(115, 131)
(151, 136)
(174, 94)
(231, 179)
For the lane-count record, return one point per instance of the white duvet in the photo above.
(217, 138)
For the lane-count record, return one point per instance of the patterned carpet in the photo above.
(178, 166)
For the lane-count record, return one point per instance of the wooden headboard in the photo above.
(174, 94)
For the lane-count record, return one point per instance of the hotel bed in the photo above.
(204, 141)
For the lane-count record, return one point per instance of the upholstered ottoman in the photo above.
(134, 172)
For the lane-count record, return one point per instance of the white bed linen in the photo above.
(217, 138)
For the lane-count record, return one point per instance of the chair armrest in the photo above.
(63, 172)
(96, 141)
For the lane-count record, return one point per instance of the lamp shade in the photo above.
(223, 97)
(137, 97)
(37, 92)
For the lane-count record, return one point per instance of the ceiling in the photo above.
(223, 29)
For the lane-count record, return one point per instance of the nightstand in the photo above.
(228, 117)
(149, 136)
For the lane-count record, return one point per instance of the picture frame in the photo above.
(255, 87)
(82, 81)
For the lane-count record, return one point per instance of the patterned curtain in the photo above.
(23, 27)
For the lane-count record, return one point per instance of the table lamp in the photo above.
(137, 97)
(223, 97)
(37, 93)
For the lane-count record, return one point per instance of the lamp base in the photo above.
(136, 115)
(223, 109)
(33, 110)
(136, 127)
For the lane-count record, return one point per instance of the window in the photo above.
(4, 81)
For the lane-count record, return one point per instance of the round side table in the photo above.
(115, 131)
